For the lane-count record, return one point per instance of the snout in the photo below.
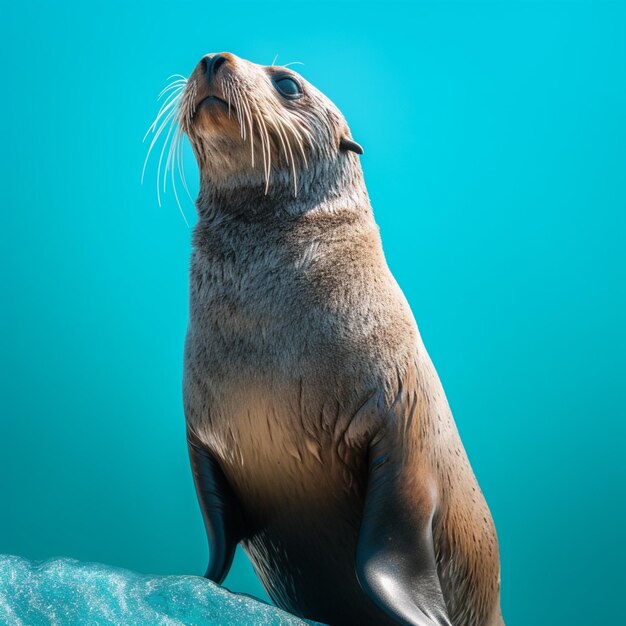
(211, 64)
(212, 67)
(209, 79)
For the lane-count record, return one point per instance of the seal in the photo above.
(319, 434)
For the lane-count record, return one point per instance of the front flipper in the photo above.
(220, 510)
(395, 554)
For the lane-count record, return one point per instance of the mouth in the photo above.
(214, 101)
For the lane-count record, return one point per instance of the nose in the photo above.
(211, 63)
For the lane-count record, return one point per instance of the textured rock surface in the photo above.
(64, 591)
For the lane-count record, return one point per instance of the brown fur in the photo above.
(299, 343)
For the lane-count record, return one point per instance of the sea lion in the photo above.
(319, 434)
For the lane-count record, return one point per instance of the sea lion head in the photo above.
(264, 129)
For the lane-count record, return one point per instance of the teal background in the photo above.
(495, 157)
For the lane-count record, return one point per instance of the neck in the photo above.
(318, 189)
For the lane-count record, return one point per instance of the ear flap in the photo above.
(348, 144)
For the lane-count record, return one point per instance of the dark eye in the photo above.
(288, 87)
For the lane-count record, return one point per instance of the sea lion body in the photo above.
(320, 435)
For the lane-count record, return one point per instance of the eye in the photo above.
(288, 87)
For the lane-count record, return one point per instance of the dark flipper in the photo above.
(220, 510)
(395, 554)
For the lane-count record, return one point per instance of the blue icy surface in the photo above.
(65, 591)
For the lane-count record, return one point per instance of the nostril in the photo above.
(211, 63)
(218, 62)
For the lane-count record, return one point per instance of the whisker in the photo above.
(228, 97)
(249, 120)
(157, 134)
(169, 132)
(160, 114)
(176, 142)
(173, 85)
(298, 138)
(169, 118)
(170, 152)
(293, 161)
(267, 145)
(241, 112)
(262, 139)
(180, 162)
(279, 130)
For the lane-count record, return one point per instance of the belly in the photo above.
(302, 499)
(306, 562)
(304, 524)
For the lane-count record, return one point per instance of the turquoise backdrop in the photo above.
(495, 157)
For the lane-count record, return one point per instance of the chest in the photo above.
(282, 311)
(283, 343)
